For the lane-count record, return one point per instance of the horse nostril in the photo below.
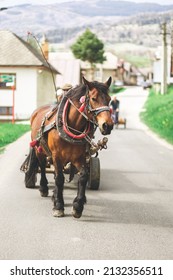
(107, 128)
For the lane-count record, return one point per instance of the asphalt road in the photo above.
(129, 217)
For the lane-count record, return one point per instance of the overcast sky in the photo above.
(7, 3)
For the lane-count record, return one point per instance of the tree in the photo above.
(89, 48)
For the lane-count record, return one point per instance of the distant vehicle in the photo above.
(119, 83)
(146, 84)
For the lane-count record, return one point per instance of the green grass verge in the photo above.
(10, 132)
(115, 90)
(158, 114)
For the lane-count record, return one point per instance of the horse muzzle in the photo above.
(106, 128)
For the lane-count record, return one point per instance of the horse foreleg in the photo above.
(58, 210)
(80, 200)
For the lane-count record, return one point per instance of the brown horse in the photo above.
(85, 107)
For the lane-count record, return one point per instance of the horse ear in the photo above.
(87, 83)
(108, 82)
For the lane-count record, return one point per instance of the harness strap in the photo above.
(80, 110)
(52, 112)
(48, 127)
(43, 142)
(97, 111)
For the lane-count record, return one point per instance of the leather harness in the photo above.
(60, 124)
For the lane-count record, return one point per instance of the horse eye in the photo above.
(94, 99)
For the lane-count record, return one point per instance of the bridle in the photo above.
(95, 111)
(87, 108)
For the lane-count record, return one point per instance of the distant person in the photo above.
(62, 91)
(115, 108)
(59, 94)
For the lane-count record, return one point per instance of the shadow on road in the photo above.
(121, 201)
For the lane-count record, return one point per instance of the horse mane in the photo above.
(76, 92)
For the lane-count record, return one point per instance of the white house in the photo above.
(158, 66)
(102, 71)
(26, 79)
(68, 66)
(73, 69)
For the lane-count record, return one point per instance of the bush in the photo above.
(158, 114)
(10, 132)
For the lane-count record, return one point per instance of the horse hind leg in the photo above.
(80, 200)
(44, 191)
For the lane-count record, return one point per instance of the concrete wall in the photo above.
(46, 93)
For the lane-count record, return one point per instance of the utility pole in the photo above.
(171, 72)
(164, 61)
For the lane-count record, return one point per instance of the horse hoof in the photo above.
(58, 213)
(44, 194)
(76, 214)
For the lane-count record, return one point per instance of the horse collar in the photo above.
(63, 129)
(66, 127)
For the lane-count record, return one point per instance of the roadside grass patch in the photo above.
(158, 114)
(10, 132)
(115, 90)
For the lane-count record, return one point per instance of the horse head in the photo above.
(98, 99)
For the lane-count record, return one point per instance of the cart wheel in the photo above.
(125, 123)
(30, 179)
(94, 176)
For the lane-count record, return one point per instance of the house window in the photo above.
(7, 80)
(97, 74)
(6, 111)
